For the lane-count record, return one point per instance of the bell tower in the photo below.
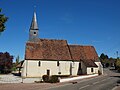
(33, 31)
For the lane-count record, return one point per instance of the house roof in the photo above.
(47, 49)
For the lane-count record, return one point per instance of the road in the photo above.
(105, 82)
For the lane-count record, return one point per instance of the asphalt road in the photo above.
(108, 81)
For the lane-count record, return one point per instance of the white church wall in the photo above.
(75, 66)
(92, 70)
(100, 67)
(32, 69)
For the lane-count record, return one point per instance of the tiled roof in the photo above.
(77, 52)
(80, 52)
(89, 63)
(87, 54)
(48, 49)
(90, 53)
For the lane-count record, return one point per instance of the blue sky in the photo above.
(84, 22)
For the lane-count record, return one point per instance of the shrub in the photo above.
(54, 79)
(118, 69)
(45, 78)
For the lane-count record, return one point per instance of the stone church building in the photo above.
(57, 57)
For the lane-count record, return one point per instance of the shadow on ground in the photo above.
(16, 74)
(118, 81)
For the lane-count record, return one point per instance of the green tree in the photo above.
(118, 63)
(17, 60)
(104, 60)
(3, 19)
(103, 56)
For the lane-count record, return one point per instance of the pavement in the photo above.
(85, 82)
(109, 81)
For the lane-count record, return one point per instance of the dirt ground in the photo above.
(26, 86)
(29, 86)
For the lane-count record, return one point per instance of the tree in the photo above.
(5, 62)
(103, 56)
(17, 60)
(14, 68)
(104, 60)
(3, 19)
(118, 65)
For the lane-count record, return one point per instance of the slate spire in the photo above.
(33, 32)
(34, 25)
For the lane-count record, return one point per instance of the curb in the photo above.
(77, 78)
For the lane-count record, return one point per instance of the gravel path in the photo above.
(10, 78)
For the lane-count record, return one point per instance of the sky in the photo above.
(83, 22)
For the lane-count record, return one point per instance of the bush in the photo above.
(45, 78)
(118, 69)
(54, 79)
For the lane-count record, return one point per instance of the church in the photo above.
(57, 57)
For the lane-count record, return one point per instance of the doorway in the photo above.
(48, 72)
(79, 69)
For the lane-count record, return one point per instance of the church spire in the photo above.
(34, 25)
(33, 33)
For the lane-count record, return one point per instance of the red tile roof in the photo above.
(89, 63)
(48, 49)
(77, 52)
(87, 54)
(90, 53)
(80, 52)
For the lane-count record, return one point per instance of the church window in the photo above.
(58, 63)
(39, 63)
(92, 70)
